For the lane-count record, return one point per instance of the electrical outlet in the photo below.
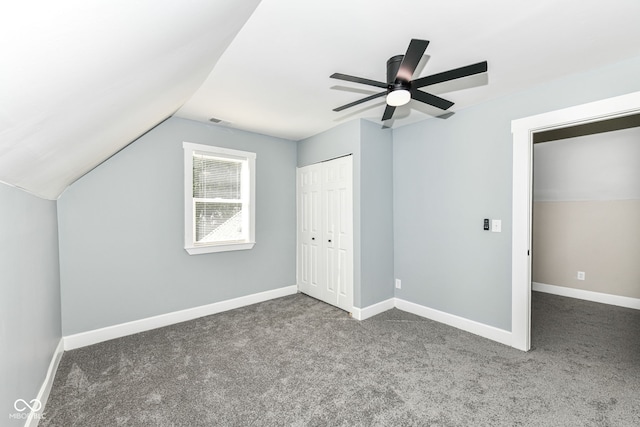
(581, 275)
(398, 284)
(496, 225)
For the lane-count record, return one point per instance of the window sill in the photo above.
(196, 250)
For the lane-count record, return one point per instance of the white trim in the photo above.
(372, 310)
(521, 240)
(523, 130)
(485, 331)
(600, 297)
(219, 247)
(116, 331)
(212, 150)
(43, 394)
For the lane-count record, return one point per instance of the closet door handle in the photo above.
(329, 240)
(313, 238)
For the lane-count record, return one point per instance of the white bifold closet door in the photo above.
(325, 231)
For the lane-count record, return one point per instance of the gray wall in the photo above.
(29, 296)
(371, 147)
(122, 254)
(450, 174)
(376, 221)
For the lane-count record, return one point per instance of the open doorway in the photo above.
(523, 134)
(585, 228)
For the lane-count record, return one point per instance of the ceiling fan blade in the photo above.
(427, 98)
(411, 59)
(388, 112)
(360, 101)
(361, 80)
(469, 70)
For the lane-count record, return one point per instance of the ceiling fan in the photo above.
(400, 88)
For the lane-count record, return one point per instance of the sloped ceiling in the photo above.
(81, 79)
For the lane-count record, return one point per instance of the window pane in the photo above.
(216, 179)
(218, 222)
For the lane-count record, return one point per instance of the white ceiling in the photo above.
(274, 78)
(81, 79)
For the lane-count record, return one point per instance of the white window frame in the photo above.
(190, 244)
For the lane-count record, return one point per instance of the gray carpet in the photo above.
(296, 361)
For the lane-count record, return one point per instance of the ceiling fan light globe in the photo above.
(398, 97)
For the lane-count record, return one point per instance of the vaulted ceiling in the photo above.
(80, 80)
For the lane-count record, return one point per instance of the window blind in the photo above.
(218, 199)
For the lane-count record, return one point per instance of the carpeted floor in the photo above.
(296, 361)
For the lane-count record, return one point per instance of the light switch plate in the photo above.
(496, 225)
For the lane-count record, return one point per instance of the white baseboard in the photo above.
(372, 310)
(116, 331)
(600, 297)
(485, 331)
(43, 394)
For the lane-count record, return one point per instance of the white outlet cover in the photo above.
(496, 225)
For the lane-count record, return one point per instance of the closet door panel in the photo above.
(344, 233)
(330, 244)
(309, 231)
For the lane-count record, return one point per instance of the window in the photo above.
(219, 186)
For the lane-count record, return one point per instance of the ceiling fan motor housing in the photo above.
(393, 65)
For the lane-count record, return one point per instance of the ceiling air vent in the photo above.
(220, 122)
